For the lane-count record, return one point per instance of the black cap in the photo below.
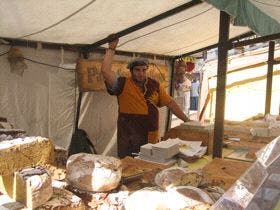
(137, 62)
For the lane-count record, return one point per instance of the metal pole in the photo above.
(78, 111)
(270, 63)
(221, 85)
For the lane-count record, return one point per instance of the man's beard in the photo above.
(139, 82)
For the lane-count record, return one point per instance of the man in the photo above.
(195, 89)
(138, 99)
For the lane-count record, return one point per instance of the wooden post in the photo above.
(221, 84)
(171, 92)
(270, 63)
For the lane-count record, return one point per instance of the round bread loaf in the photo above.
(182, 197)
(171, 177)
(146, 198)
(95, 173)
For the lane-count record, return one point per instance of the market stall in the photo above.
(39, 93)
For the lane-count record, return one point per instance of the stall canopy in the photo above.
(86, 22)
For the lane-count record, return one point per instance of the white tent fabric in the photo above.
(185, 32)
(85, 22)
(42, 101)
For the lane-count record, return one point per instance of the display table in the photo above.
(206, 135)
(223, 172)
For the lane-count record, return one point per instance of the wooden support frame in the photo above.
(270, 63)
(221, 84)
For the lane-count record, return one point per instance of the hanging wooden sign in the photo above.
(90, 77)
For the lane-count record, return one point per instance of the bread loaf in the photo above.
(63, 200)
(146, 198)
(93, 172)
(132, 166)
(214, 192)
(24, 152)
(6, 184)
(57, 172)
(171, 177)
(60, 156)
(32, 186)
(188, 197)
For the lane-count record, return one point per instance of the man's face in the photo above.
(138, 73)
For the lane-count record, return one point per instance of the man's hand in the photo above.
(113, 41)
(175, 109)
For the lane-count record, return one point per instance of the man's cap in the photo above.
(137, 62)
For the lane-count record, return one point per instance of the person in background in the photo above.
(139, 98)
(195, 89)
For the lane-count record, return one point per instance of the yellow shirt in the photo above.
(134, 102)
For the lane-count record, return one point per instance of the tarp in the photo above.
(262, 16)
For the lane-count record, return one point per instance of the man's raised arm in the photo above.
(106, 68)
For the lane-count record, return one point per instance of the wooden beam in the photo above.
(254, 41)
(270, 63)
(221, 83)
(245, 68)
(246, 81)
(276, 62)
(201, 115)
